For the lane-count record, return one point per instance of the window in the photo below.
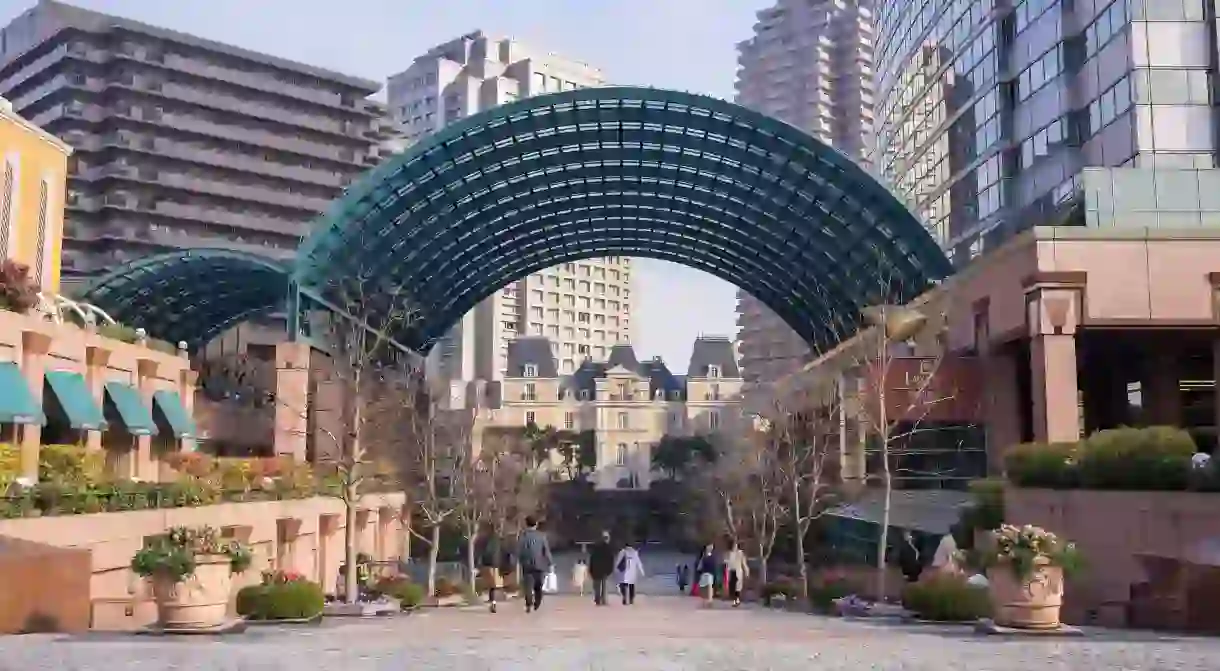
(529, 419)
(624, 421)
(713, 371)
(8, 196)
(529, 370)
(620, 455)
(584, 394)
(713, 420)
(569, 420)
(530, 393)
(44, 240)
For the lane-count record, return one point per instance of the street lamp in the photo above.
(899, 323)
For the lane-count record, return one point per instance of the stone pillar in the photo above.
(291, 399)
(34, 348)
(1052, 315)
(1000, 404)
(187, 379)
(97, 360)
(1160, 384)
(287, 531)
(330, 551)
(146, 380)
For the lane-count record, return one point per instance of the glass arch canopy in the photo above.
(618, 171)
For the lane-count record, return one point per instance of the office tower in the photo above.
(989, 110)
(809, 63)
(179, 141)
(583, 307)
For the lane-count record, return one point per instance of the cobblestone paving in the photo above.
(663, 633)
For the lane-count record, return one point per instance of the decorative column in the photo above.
(1053, 314)
(146, 379)
(292, 399)
(34, 348)
(187, 379)
(97, 360)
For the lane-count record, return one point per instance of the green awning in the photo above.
(171, 414)
(70, 395)
(17, 404)
(132, 413)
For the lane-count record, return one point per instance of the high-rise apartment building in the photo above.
(809, 63)
(988, 110)
(182, 142)
(584, 307)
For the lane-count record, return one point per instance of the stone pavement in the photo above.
(659, 632)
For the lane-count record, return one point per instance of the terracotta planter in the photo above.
(1032, 603)
(199, 602)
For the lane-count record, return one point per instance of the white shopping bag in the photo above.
(550, 583)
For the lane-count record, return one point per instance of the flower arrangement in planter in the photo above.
(191, 572)
(1025, 570)
(283, 596)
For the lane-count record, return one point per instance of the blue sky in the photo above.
(687, 45)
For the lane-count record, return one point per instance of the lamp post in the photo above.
(893, 323)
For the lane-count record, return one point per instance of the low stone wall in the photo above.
(303, 535)
(1111, 529)
(42, 588)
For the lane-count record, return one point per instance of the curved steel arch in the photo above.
(191, 296)
(626, 171)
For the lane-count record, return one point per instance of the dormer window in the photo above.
(659, 395)
(712, 371)
(584, 394)
(675, 395)
(529, 370)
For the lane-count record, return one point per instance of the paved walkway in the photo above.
(659, 632)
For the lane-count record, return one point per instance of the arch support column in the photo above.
(1054, 305)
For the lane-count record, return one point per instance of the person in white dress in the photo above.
(630, 570)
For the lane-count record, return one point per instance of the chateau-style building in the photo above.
(629, 404)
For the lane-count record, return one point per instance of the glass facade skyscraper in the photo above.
(989, 109)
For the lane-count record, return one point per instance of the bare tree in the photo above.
(357, 363)
(802, 429)
(745, 488)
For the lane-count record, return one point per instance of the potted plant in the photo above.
(1025, 571)
(191, 571)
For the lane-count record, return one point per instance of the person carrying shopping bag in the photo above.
(738, 569)
(534, 556)
(705, 569)
(630, 570)
(494, 563)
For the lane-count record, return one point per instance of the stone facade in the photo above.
(629, 404)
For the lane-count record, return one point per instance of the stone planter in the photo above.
(1032, 603)
(199, 602)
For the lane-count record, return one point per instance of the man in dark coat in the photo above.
(601, 566)
(534, 556)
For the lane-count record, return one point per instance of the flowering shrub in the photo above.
(1026, 548)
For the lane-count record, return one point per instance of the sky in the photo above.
(687, 45)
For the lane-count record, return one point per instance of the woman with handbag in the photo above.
(630, 570)
(493, 561)
(705, 569)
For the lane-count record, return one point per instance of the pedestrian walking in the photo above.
(705, 568)
(495, 561)
(534, 556)
(738, 569)
(683, 574)
(601, 565)
(630, 570)
(580, 574)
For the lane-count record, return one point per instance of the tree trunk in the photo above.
(886, 479)
(470, 568)
(434, 551)
(762, 571)
(800, 539)
(350, 585)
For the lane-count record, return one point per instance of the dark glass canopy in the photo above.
(190, 296)
(580, 174)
